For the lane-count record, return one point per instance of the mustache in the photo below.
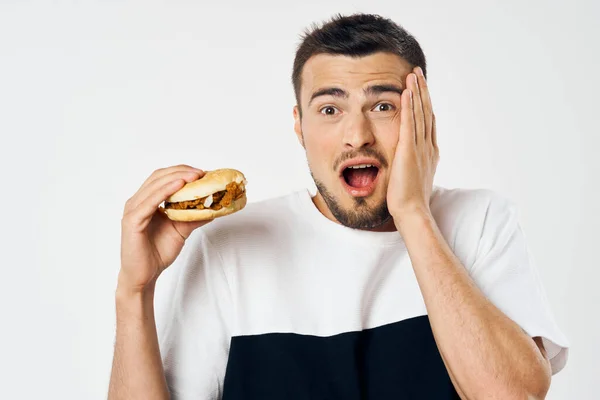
(366, 152)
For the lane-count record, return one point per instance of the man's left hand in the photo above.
(417, 153)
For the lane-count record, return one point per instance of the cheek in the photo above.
(388, 134)
(320, 142)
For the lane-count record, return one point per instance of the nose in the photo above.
(359, 132)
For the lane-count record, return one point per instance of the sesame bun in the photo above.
(210, 183)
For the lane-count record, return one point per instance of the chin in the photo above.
(368, 212)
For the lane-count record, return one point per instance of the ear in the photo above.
(298, 125)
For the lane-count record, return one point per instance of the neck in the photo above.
(319, 202)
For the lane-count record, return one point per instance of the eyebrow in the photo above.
(378, 89)
(329, 91)
(369, 91)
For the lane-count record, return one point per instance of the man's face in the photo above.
(349, 129)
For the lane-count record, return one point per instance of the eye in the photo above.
(384, 107)
(328, 110)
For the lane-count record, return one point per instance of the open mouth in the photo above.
(360, 176)
(360, 179)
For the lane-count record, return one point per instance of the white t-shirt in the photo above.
(279, 302)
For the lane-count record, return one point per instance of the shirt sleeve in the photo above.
(193, 321)
(505, 271)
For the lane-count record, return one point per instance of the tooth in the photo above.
(361, 166)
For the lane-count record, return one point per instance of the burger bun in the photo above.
(211, 182)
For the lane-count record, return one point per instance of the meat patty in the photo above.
(224, 198)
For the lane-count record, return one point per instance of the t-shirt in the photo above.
(279, 302)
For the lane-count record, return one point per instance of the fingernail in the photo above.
(420, 71)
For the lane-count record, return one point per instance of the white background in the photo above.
(95, 96)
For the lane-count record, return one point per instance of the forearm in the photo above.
(137, 371)
(486, 353)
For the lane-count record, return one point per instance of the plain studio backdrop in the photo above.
(95, 96)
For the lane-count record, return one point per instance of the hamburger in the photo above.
(217, 193)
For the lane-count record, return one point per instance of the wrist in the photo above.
(130, 296)
(128, 286)
(134, 306)
(125, 293)
(408, 215)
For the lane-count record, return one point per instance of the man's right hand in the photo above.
(150, 241)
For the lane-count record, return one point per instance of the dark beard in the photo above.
(361, 217)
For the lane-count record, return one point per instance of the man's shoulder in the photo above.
(259, 219)
(463, 214)
(282, 206)
(472, 204)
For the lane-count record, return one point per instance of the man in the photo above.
(381, 286)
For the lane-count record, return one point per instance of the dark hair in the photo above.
(356, 35)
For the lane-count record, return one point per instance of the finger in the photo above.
(407, 120)
(426, 101)
(418, 110)
(434, 133)
(187, 176)
(159, 173)
(185, 229)
(138, 218)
